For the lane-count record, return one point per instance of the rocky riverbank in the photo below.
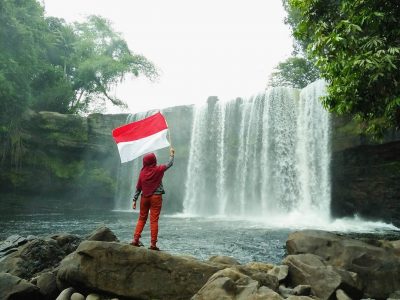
(319, 265)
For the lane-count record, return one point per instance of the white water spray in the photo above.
(262, 156)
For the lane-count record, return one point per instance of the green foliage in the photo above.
(295, 72)
(47, 64)
(356, 46)
(21, 55)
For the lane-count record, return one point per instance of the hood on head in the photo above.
(149, 160)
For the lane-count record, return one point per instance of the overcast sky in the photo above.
(224, 48)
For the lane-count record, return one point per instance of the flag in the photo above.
(137, 138)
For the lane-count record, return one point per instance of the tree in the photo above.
(295, 72)
(356, 46)
(47, 64)
(21, 56)
(101, 58)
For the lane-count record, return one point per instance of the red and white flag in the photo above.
(137, 138)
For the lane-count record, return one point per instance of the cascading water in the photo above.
(269, 154)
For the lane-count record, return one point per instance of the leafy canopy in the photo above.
(356, 46)
(295, 72)
(47, 64)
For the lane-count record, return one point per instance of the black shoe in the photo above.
(154, 248)
(137, 244)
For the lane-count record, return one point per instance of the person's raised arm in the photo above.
(171, 158)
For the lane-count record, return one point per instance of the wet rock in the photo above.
(394, 295)
(285, 291)
(13, 287)
(77, 296)
(47, 285)
(93, 297)
(279, 272)
(66, 294)
(127, 271)
(33, 257)
(260, 272)
(324, 280)
(232, 284)
(67, 242)
(102, 234)
(225, 260)
(11, 244)
(371, 263)
(341, 295)
(302, 290)
(299, 298)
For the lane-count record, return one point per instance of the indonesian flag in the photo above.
(137, 138)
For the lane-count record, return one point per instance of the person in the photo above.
(151, 187)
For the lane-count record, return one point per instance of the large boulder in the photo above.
(15, 288)
(377, 267)
(232, 284)
(32, 258)
(11, 244)
(47, 285)
(132, 272)
(324, 280)
(103, 234)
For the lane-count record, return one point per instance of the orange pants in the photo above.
(154, 204)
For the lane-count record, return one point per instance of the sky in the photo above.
(224, 48)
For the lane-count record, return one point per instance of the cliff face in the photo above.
(59, 160)
(365, 174)
(70, 162)
(67, 161)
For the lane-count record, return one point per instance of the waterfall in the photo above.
(267, 154)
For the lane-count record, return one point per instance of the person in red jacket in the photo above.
(151, 187)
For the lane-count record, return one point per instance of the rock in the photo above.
(13, 287)
(279, 272)
(102, 234)
(396, 246)
(285, 291)
(66, 294)
(341, 295)
(324, 280)
(394, 295)
(302, 290)
(365, 181)
(68, 242)
(126, 271)
(225, 260)
(77, 296)
(259, 272)
(47, 285)
(299, 298)
(32, 258)
(258, 266)
(371, 263)
(93, 297)
(11, 244)
(232, 284)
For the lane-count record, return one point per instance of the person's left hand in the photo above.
(134, 205)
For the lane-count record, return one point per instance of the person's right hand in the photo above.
(134, 205)
(172, 151)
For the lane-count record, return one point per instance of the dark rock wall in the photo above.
(365, 173)
(61, 160)
(72, 162)
(67, 161)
